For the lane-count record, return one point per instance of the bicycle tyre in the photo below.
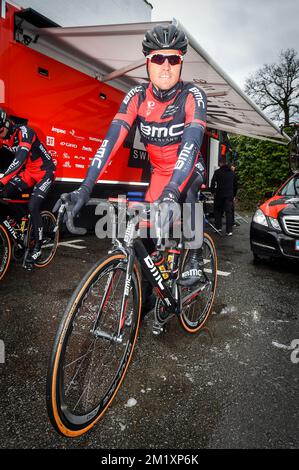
(196, 312)
(5, 251)
(71, 422)
(50, 239)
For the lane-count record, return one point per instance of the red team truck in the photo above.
(52, 80)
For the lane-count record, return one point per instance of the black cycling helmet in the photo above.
(164, 37)
(3, 118)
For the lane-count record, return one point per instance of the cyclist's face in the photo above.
(164, 76)
(3, 132)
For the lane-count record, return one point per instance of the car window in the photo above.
(291, 188)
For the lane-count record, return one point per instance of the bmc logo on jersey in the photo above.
(24, 132)
(198, 96)
(162, 132)
(131, 94)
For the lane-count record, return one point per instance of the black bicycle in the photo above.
(294, 150)
(97, 334)
(16, 237)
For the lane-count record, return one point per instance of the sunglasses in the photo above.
(159, 59)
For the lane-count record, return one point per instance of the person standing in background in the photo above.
(224, 187)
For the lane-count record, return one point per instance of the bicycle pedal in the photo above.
(28, 267)
(157, 328)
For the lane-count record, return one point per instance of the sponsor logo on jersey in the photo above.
(183, 156)
(67, 165)
(44, 152)
(98, 158)
(198, 96)
(131, 93)
(78, 165)
(12, 166)
(78, 157)
(58, 131)
(170, 111)
(73, 133)
(87, 149)
(69, 144)
(95, 139)
(50, 141)
(45, 185)
(66, 156)
(161, 132)
(24, 132)
(52, 153)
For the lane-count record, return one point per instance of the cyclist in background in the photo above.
(32, 167)
(171, 116)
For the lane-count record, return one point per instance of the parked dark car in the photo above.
(274, 230)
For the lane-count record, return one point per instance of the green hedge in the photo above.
(262, 167)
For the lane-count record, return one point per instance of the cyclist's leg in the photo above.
(193, 267)
(157, 184)
(38, 195)
(13, 190)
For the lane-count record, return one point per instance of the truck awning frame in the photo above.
(112, 53)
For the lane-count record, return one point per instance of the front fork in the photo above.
(123, 317)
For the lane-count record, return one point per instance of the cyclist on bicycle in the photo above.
(32, 167)
(171, 116)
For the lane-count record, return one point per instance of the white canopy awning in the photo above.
(113, 53)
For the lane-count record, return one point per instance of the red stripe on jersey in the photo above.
(131, 112)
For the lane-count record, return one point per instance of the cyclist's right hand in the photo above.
(75, 200)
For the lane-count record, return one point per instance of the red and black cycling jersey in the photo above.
(171, 124)
(30, 154)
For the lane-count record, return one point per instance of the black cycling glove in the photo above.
(76, 199)
(169, 209)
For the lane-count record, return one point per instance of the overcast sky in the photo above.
(240, 36)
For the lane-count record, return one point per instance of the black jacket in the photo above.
(224, 182)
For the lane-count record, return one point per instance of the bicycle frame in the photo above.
(17, 236)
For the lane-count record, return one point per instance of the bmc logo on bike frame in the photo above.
(154, 270)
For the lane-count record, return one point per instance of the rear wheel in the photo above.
(90, 358)
(5, 251)
(198, 300)
(50, 239)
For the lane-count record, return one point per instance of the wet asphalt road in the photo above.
(231, 386)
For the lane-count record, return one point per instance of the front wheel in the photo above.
(5, 251)
(197, 301)
(93, 347)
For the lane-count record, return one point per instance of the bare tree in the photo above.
(275, 88)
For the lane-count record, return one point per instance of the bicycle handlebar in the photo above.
(65, 209)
